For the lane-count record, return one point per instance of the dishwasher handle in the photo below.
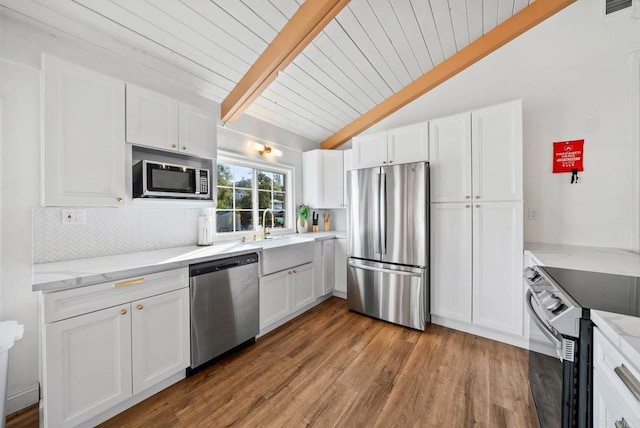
(222, 264)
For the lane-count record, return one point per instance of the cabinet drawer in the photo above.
(78, 301)
(611, 365)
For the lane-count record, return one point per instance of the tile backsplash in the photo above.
(111, 231)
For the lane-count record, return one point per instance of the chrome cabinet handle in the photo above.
(629, 380)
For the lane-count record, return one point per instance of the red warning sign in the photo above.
(567, 156)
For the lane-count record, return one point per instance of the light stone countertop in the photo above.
(621, 330)
(56, 276)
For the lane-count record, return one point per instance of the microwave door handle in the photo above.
(541, 324)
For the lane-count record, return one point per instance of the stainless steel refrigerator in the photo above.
(388, 243)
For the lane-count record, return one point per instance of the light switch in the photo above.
(74, 216)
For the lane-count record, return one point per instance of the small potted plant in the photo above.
(304, 211)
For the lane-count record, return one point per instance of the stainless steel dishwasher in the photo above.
(225, 305)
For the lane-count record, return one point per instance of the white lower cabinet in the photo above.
(160, 337)
(324, 261)
(614, 404)
(87, 365)
(340, 260)
(95, 361)
(476, 265)
(283, 293)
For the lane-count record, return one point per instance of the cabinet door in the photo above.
(275, 298)
(340, 260)
(497, 152)
(497, 266)
(370, 150)
(84, 150)
(160, 333)
(328, 265)
(301, 282)
(450, 158)
(197, 131)
(87, 365)
(451, 261)
(347, 164)
(152, 119)
(331, 179)
(408, 144)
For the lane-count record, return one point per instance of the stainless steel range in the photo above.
(559, 302)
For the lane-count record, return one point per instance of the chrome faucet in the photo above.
(264, 223)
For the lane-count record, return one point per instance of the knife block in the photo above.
(314, 228)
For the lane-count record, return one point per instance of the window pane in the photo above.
(278, 218)
(243, 176)
(225, 198)
(243, 199)
(244, 220)
(225, 175)
(264, 180)
(279, 201)
(264, 199)
(278, 182)
(224, 221)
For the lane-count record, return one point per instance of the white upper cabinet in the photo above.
(400, 145)
(84, 150)
(369, 150)
(161, 122)
(323, 178)
(348, 161)
(197, 134)
(497, 152)
(450, 155)
(477, 155)
(152, 119)
(408, 144)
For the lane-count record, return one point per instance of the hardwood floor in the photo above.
(331, 367)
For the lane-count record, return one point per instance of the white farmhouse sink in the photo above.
(283, 253)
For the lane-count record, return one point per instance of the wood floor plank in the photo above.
(332, 367)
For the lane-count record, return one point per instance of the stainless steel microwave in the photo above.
(164, 180)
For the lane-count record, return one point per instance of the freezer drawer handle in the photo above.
(629, 380)
(375, 269)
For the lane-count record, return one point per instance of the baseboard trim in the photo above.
(340, 294)
(519, 341)
(22, 399)
(289, 317)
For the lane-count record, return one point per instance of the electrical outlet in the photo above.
(74, 216)
(532, 214)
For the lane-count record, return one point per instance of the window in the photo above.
(245, 191)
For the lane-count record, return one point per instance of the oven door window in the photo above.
(545, 371)
(166, 178)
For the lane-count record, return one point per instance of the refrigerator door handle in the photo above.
(383, 270)
(383, 213)
(377, 243)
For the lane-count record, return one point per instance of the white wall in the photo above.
(20, 94)
(21, 47)
(569, 70)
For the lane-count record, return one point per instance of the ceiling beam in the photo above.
(527, 18)
(304, 26)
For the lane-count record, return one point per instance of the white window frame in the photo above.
(289, 174)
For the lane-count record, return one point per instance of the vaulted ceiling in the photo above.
(370, 51)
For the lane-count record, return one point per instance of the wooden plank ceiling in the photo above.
(369, 52)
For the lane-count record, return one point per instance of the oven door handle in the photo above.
(551, 335)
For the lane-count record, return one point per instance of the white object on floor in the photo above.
(10, 331)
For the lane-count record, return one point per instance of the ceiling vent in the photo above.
(612, 6)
